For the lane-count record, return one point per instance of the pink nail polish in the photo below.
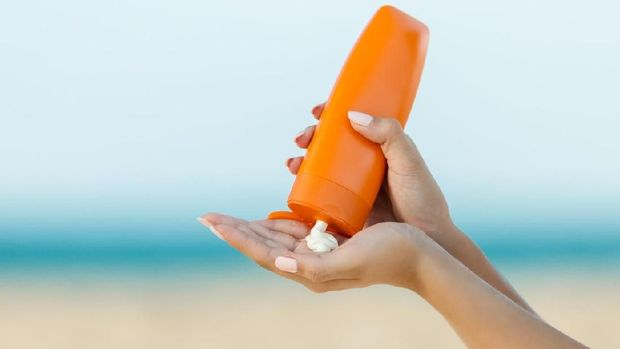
(210, 226)
(215, 232)
(296, 139)
(315, 109)
(286, 264)
(358, 118)
(203, 221)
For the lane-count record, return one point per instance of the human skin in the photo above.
(408, 241)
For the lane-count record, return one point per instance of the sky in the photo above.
(131, 118)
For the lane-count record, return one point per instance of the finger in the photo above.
(294, 164)
(297, 230)
(283, 239)
(250, 244)
(318, 287)
(382, 210)
(319, 268)
(213, 218)
(304, 137)
(399, 150)
(251, 232)
(318, 110)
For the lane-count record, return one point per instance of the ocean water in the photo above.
(161, 238)
(63, 257)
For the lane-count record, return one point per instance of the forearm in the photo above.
(479, 313)
(461, 247)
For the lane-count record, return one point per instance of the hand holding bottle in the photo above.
(409, 193)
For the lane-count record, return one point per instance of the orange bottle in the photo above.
(342, 172)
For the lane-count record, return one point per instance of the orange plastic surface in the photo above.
(342, 172)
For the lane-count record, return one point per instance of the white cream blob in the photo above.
(320, 241)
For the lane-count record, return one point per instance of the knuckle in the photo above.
(393, 133)
(392, 127)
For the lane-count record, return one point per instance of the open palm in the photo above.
(357, 262)
(265, 240)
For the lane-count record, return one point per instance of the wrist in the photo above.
(435, 227)
(447, 228)
(433, 263)
(422, 249)
(449, 237)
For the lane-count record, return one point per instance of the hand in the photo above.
(384, 253)
(409, 193)
(397, 254)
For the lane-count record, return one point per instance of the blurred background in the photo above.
(122, 121)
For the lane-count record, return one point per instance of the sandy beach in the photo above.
(262, 311)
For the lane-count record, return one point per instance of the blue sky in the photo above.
(134, 117)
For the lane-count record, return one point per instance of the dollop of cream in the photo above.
(319, 240)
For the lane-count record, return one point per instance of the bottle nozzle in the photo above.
(320, 225)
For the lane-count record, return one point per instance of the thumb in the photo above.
(318, 268)
(399, 150)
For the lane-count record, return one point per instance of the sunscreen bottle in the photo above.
(342, 172)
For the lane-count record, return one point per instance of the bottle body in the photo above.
(342, 172)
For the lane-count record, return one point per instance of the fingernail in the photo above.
(299, 135)
(316, 109)
(361, 119)
(211, 227)
(215, 232)
(286, 264)
(203, 221)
